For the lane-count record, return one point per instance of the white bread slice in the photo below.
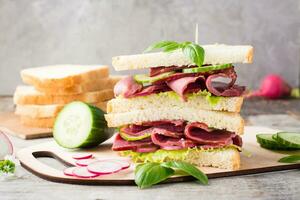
(63, 75)
(47, 111)
(90, 86)
(228, 158)
(46, 122)
(27, 95)
(224, 158)
(214, 54)
(214, 119)
(38, 122)
(170, 99)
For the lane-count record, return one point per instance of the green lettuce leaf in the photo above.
(162, 155)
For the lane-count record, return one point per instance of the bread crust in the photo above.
(120, 104)
(63, 75)
(46, 111)
(38, 122)
(214, 54)
(90, 86)
(27, 95)
(214, 119)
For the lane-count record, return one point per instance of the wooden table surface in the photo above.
(283, 114)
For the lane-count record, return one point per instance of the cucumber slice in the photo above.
(274, 136)
(206, 68)
(144, 78)
(267, 141)
(128, 137)
(80, 125)
(290, 140)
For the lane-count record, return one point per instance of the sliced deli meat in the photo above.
(127, 87)
(224, 89)
(182, 83)
(121, 145)
(201, 134)
(187, 84)
(154, 71)
(168, 142)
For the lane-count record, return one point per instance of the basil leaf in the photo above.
(7, 166)
(151, 173)
(189, 169)
(195, 53)
(290, 159)
(171, 47)
(163, 44)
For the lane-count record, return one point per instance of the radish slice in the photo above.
(80, 156)
(82, 172)
(104, 167)
(6, 147)
(124, 163)
(69, 171)
(85, 162)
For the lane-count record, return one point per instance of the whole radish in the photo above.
(273, 87)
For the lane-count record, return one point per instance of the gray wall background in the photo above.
(45, 32)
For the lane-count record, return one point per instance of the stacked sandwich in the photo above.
(180, 110)
(51, 87)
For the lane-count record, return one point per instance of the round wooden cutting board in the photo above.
(261, 160)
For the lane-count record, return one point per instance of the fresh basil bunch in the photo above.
(149, 174)
(192, 51)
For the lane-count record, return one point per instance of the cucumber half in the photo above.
(80, 125)
(288, 139)
(267, 141)
(206, 68)
(144, 78)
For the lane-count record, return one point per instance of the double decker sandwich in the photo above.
(185, 108)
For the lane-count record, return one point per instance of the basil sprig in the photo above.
(290, 159)
(189, 169)
(7, 166)
(192, 51)
(149, 174)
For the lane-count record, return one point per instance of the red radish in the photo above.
(272, 87)
(80, 156)
(85, 162)
(69, 171)
(82, 172)
(104, 167)
(6, 147)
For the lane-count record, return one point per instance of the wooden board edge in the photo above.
(131, 182)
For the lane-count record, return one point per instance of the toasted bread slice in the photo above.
(224, 158)
(90, 86)
(214, 54)
(63, 75)
(214, 119)
(47, 111)
(27, 95)
(170, 99)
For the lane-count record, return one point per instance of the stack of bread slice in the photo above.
(51, 87)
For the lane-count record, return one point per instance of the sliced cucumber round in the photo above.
(274, 136)
(206, 68)
(144, 78)
(267, 141)
(80, 125)
(128, 137)
(288, 139)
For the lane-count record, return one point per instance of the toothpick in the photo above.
(196, 34)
